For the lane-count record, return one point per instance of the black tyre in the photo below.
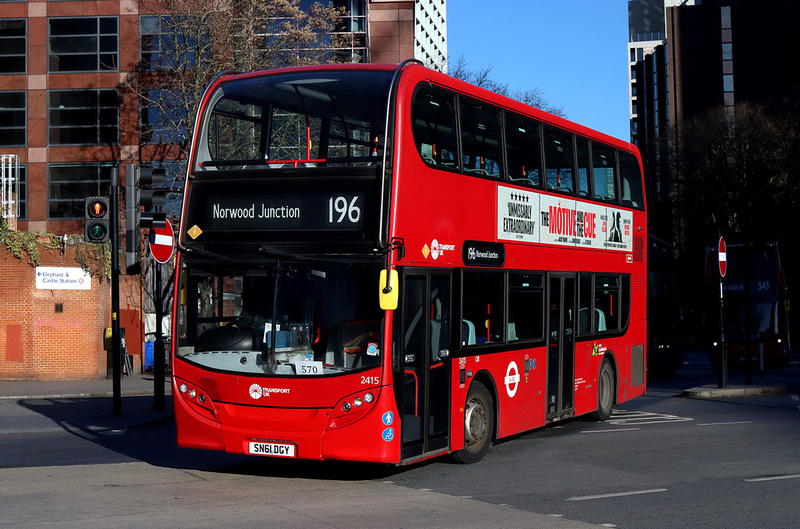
(478, 424)
(606, 392)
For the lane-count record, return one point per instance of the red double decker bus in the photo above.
(756, 306)
(382, 263)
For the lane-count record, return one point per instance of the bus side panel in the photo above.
(517, 382)
(458, 396)
(521, 377)
(587, 367)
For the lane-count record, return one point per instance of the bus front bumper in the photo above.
(370, 434)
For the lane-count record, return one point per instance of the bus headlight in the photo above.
(352, 408)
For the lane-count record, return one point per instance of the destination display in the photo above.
(525, 216)
(480, 253)
(307, 212)
(267, 211)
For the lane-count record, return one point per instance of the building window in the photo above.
(70, 184)
(727, 51)
(83, 44)
(166, 43)
(727, 83)
(83, 117)
(350, 36)
(163, 118)
(13, 45)
(725, 17)
(13, 129)
(22, 197)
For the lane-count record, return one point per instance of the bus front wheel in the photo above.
(478, 424)
(606, 391)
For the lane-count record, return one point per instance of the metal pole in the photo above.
(158, 346)
(723, 363)
(115, 332)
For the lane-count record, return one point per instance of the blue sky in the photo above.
(575, 51)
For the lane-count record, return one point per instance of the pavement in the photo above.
(98, 387)
(737, 387)
(92, 400)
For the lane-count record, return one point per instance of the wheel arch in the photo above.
(485, 377)
(612, 360)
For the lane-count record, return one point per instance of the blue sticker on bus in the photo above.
(388, 418)
(388, 434)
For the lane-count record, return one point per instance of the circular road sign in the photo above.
(722, 252)
(162, 243)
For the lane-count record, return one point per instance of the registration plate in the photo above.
(266, 448)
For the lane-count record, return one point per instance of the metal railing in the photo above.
(9, 185)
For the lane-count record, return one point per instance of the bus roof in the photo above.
(415, 72)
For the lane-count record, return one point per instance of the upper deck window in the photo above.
(524, 150)
(434, 122)
(480, 138)
(631, 180)
(604, 168)
(308, 119)
(560, 161)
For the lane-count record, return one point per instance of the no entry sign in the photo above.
(162, 242)
(723, 257)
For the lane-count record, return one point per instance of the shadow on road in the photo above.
(140, 434)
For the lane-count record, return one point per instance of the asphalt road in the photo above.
(663, 460)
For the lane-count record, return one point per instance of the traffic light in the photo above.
(142, 191)
(152, 197)
(96, 218)
(144, 188)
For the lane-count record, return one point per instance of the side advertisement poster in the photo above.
(526, 216)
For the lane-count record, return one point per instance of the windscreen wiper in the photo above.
(205, 253)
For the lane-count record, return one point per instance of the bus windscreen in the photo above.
(289, 318)
(294, 120)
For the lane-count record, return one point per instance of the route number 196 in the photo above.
(340, 209)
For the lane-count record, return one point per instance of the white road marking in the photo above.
(644, 417)
(615, 430)
(615, 495)
(724, 423)
(773, 478)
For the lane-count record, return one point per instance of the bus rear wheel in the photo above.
(478, 424)
(606, 391)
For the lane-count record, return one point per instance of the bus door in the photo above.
(561, 344)
(424, 362)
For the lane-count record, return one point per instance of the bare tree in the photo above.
(735, 172)
(727, 173)
(534, 97)
(186, 43)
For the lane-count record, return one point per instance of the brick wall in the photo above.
(58, 334)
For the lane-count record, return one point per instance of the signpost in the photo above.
(162, 246)
(722, 256)
(162, 243)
